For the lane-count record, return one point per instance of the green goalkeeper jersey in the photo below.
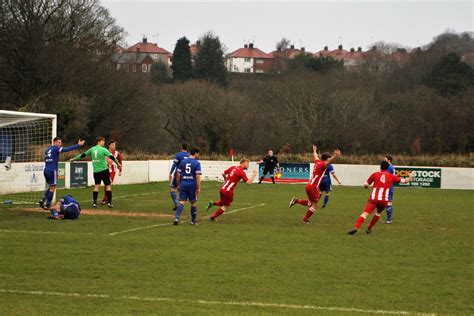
(99, 156)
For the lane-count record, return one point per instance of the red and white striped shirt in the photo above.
(232, 176)
(382, 181)
(318, 173)
(111, 163)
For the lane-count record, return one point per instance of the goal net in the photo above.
(24, 138)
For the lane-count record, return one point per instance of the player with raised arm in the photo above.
(382, 181)
(66, 208)
(50, 172)
(188, 183)
(326, 184)
(112, 146)
(232, 177)
(312, 188)
(391, 170)
(99, 155)
(180, 156)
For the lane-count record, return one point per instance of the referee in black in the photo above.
(270, 161)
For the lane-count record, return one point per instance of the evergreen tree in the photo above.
(210, 60)
(451, 76)
(182, 66)
(318, 64)
(160, 73)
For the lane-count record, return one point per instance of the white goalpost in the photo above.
(24, 138)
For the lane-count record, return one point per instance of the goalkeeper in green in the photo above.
(99, 155)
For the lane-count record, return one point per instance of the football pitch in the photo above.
(256, 259)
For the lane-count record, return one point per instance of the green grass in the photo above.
(423, 262)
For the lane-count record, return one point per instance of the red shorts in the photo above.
(313, 193)
(370, 206)
(112, 176)
(226, 197)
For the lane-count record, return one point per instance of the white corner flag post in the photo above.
(23, 139)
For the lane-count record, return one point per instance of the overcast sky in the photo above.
(312, 24)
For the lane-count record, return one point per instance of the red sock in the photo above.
(105, 196)
(374, 220)
(309, 213)
(218, 203)
(302, 202)
(359, 222)
(217, 213)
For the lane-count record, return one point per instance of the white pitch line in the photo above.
(125, 196)
(40, 232)
(205, 302)
(138, 228)
(169, 224)
(244, 208)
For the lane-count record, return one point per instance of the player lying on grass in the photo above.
(312, 188)
(66, 208)
(379, 196)
(188, 183)
(232, 176)
(51, 159)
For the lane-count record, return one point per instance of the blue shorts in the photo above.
(50, 176)
(390, 195)
(187, 193)
(325, 187)
(70, 212)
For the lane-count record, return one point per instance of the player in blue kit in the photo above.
(391, 170)
(188, 178)
(180, 156)
(326, 184)
(50, 172)
(66, 208)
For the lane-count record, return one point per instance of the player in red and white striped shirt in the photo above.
(379, 196)
(112, 168)
(312, 188)
(232, 177)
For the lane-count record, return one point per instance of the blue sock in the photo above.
(193, 213)
(179, 210)
(389, 213)
(173, 197)
(326, 200)
(49, 198)
(54, 212)
(45, 195)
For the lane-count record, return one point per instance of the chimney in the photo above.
(326, 48)
(246, 46)
(292, 47)
(339, 47)
(352, 50)
(401, 50)
(198, 43)
(138, 50)
(251, 45)
(145, 40)
(374, 47)
(359, 49)
(303, 49)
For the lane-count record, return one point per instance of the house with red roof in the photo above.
(249, 59)
(133, 62)
(353, 57)
(153, 50)
(289, 53)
